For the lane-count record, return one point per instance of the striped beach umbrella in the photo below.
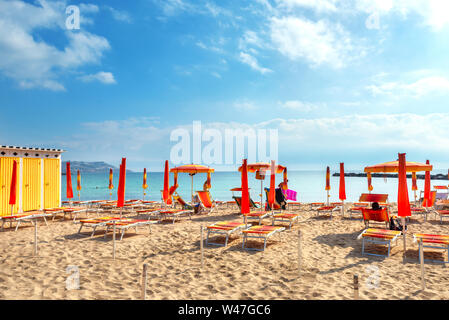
(245, 192)
(427, 195)
(13, 187)
(368, 178)
(403, 202)
(121, 186)
(111, 186)
(78, 183)
(144, 184)
(342, 188)
(165, 192)
(272, 193)
(328, 183)
(69, 190)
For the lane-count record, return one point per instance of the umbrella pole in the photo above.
(404, 236)
(261, 195)
(327, 201)
(191, 189)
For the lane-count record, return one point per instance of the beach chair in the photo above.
(173, 214)
(27, 217)
(430, 241)
(225, 228)
(125, 224)
(94, 223)
(379, 236)
(442, 192)
(314, 205)
(423, 210)
(293, 203)
(150, 212)
(366, 200)
(238, 200)
(184, 205)
(260, 232)
(371, 215)
(206, 200)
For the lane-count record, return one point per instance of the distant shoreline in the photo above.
(393, 175)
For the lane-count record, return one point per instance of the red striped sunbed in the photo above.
(224, 227)
(260, 232)
(23, 217)
(126, 223)
(290, 217)
(379, 236)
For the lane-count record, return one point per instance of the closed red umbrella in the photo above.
(245, 191)
(427, 199)
(342, 189)
(165, 192)
(328, 183)
(13, 186)
(121, 185)
(403, 201)
(78, 183)
(272, 193)
(111, 186)
(144, 184)
(414, 184)
(370, 186)
(69, 190)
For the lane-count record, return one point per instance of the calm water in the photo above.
(308, 184)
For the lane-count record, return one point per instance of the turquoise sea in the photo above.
(308, 184)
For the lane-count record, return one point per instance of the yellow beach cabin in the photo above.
(38, 178)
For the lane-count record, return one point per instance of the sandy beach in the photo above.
(330, 250)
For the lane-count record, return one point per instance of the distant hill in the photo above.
(89, 167)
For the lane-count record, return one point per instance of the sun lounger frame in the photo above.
(263, 215)
(284, 218)
(421, 241)
(377, 240)
(163, 214)
(125, 227)
(27, 218)
(263, 236)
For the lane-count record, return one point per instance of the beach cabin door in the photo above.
(31, 184)
(52, 183)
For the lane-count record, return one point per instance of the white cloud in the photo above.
(245, 105)
(300, 106)
(317, 43)
(253, 63)
(120, 15)
(419, 88)
(318, 5)
(103, 77)
(34, 63)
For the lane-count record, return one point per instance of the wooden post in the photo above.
(421, 259)
(144, 281)
(299, 251)
(113, 242)
(35, 237)
(356, 287)
(201, 247)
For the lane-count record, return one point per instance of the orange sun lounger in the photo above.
(24, 217)
(379, 236)
(290, 217)
(72, 211)
(94, 223)
(326, 209)
(173, 214)
(430, 240)
(260, 232)
(225, 228)
(126, 223)
(371, 215)
(206, 200)
(423, 210)
(365, 201)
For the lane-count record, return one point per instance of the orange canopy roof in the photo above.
(192, 168)
(393, 166)
(253, 167)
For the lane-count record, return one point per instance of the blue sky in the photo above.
(355, 81)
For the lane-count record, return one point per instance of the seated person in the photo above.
(196, 203)
(376, 206)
